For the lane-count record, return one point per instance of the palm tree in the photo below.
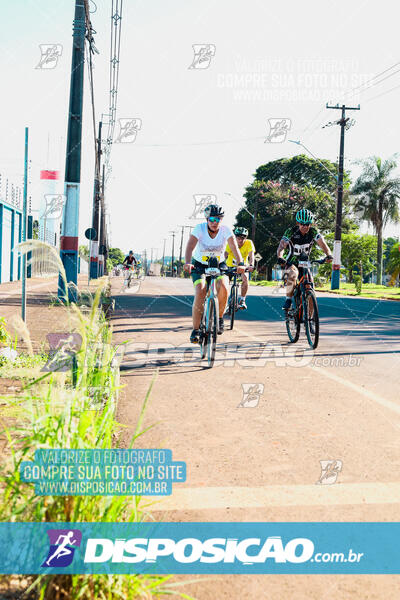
(377, 193)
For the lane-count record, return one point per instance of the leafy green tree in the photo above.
(280, 189)
(358, 254)
(393, 265)
(388, 244)
(302, 170)
(377, 192)
(84, 252)
(116, 256)
(275, 205)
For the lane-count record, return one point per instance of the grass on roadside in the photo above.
(368, 290)
(264, 282)
(54, 413)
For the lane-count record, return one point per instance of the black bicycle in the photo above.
(233, 304)
(305, 308)
(209, 322)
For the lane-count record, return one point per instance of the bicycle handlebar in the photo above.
(223, 271)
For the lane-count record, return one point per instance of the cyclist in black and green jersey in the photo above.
(299, 239)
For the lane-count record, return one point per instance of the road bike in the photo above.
(233, 304)
(304, 308)
(129, 271)
(208, 329)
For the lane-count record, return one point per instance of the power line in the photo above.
(202, 143)
(353, 90)
(89, 53)
(115, 48)
(396, 87)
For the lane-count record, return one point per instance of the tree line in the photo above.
(283, 186)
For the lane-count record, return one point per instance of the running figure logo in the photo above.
(203, 54)
(54, 206)
(330, 470)
(63, 543)
(128, 129)
(251, 395)
(200, 203)
(50, 54)
(278, 129)
(63, 346)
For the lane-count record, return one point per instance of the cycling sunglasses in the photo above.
(214, 219)
(240, 235)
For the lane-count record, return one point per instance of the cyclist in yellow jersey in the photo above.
(246, 249)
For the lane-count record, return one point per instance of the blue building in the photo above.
(10, 236)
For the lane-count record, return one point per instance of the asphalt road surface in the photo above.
(254, 429)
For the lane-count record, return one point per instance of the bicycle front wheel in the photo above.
(233, 306)
(211, 329)
(311, 319)
(293, 324)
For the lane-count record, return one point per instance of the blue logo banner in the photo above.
(199, 548)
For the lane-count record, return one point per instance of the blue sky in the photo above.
(272, 60)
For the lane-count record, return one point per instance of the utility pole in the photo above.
(70, 222)
(343, 121)
(94, 254)
(103, 232)
(173, 233)
(24, 225)
(180, 250)
(145, 261)
(163, 258)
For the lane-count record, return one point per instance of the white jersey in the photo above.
(207, 244)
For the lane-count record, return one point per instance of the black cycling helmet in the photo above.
(130, 251)
(213, 210)
(241, 231)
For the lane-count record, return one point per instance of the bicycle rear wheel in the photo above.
(233, 305)
(311, 319)
(211, 329)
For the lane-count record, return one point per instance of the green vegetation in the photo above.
(58, 410)
(369, 290)
(358, 254)
(115, 256)
(4, 335)
(279, 189)
(377, 192)
(24, 367)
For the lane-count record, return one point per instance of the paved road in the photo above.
(258, 459)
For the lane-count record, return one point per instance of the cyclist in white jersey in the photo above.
(210, 238)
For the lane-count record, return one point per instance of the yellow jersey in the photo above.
(245, 250)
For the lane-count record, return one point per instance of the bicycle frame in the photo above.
(305, 308)
(211, 294)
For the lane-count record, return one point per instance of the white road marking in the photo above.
(325, 372)
(212, 498)
(357, 388)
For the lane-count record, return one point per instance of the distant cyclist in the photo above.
(129, 260)
(299, 239)
(206, 238)
(247, 250)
